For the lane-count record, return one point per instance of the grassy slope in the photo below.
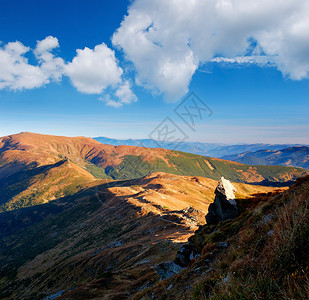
(73, 241)
(32, 170)
(266, 255)
(41, 185)
(181, 163)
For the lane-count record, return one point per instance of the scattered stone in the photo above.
(190, 213)
(147, 260)
(114, 244)
(168, 269)
(224, 206)
(197, 256)
(270, 232)
(146, 285)
(267, 219)
(96, 252)
(207, 271)
(227, 278)
(222, 245)
(184, 256)
(54, 296)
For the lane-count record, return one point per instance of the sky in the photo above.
(216, 71)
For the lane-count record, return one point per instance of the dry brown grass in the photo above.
(270, 259)
(267, 255)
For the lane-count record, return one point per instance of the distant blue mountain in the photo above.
(291, 157)
(207, 149)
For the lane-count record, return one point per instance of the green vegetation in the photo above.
(38, 185)
(131, 167)
(181, 163)
(96, 171)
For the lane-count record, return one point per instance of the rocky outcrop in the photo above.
(183, 258)
(168, 269)
(224, 207)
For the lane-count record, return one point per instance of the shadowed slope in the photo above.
(111, 235)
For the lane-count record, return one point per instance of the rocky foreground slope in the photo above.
(112, 235)
(261, 254)
(72, 227)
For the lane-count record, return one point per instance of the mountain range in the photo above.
(84, 220)
(35, 168)
(291, 156)
(206, 149)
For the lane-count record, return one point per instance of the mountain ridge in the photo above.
(291, 156)
(34, 158)
(81, 219)
(216, 150)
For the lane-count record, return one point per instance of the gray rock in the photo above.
(184, 256)
(267, 219)
(222, 245)
(54, 296)
(227, 279)
(270, 233)
(224, 206)
(168, 269)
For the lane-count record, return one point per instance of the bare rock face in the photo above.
(224, 206)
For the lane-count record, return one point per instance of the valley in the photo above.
(82, 220)
(39, 168)
(120, 229)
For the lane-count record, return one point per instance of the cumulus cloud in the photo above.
(51, 66)
(122, 95)
(92, 71)
(95, 71)
(16, 73)
(168, 40)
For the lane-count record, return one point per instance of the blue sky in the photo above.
(137, 60)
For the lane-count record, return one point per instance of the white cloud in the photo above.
(92, 71)
(168, 40)
(95, 71)
(122, 95)
(16, 73)
(109, 102)
(125, 94)
(51, 66)
(248, 59)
